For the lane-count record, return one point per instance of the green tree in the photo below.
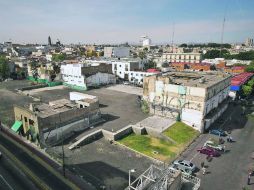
(141, 55)
(247, 90)
(250, 67)
(4, 68)
(149, 65)
(183, 45)
(59, 57)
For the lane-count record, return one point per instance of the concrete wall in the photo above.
(100, 79)
(118, 134)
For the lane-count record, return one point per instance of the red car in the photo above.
(209, 151)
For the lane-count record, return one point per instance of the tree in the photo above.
(58, 57)
(150, 64)
(250, 67)
(247, 90)
(4, 68)
(183, 45)
(141, 55)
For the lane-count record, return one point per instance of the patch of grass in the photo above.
(181, 133)
(165, 150)
(156, 148)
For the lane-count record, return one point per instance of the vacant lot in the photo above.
(104, 164)
(162, 149)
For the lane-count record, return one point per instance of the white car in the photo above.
(126, 83)
(213, 145)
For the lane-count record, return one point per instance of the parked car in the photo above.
(218, 132)
(184, 166)
(212, 144)
(126, 83)
(209, 151)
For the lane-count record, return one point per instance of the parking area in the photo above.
(130, 89)
(104, 164)
(230, 170)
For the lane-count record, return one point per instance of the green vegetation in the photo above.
(144, 107)
(181, 133)
(211, 45)
(215, 53)
(159, 148)
(4, 68)
(250, 68)
(248, 88)
(58, 57)
(156, 148)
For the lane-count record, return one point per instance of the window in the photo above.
(31, 122)
(120, 72)
(141, 75)
(131, 74)
(136, 74)
(25, 119)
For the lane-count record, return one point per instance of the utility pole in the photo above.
(173, 35)
(63, 155)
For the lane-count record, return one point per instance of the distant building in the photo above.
(49, 41)
(182, 57)
(117, 52)
(146, 42)
(249, 42)
(195, 98)
(81, 76)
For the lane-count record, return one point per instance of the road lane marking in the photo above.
(6, 182)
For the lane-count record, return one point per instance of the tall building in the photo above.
(49, 41)
(249, 42)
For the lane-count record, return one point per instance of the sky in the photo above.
(120, 21)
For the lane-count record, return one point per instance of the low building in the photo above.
(49, 123)
(197, 99)
(182, 57)
(235, 69)
(237, 82)
(122, 67)
(117, 52)
(81, 76)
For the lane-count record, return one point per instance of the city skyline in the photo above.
(113, 21)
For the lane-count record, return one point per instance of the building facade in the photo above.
(194, 98)
(118, 52)
(81, 76)
(182, 57)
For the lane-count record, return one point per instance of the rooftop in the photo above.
(195, 79)
(54, 107)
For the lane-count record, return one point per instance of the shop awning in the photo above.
(16, 126)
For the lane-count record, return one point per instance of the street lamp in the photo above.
(131, 171)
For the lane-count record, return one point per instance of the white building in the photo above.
(195, 98)
(146, 42)
(182, 57)
(81, 76)
(116, 52)
(122, 67)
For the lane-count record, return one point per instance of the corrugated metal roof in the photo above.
(241, 79)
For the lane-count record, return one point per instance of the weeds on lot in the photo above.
(144, 107)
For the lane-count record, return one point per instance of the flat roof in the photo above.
(195, 79)
(54, 107)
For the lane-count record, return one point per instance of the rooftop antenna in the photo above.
(173, 34)
(222, 32)
(222, 35)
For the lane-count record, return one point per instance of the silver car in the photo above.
(184, 166)
(213, 145)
